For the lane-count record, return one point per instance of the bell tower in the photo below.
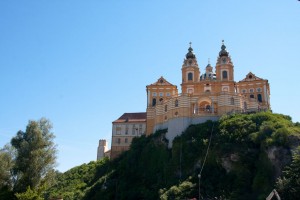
(224, 66)
(190, 72)
(224, 71)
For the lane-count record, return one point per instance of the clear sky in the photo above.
(82, 64)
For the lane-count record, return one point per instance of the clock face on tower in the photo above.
(223, 60)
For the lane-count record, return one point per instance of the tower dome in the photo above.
(223, 51)
(190, 54)
(209, 67)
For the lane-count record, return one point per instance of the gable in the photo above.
(162, 81)
(251, 77)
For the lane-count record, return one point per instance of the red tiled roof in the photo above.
(132, 117)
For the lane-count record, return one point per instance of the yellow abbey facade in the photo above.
(204, 96)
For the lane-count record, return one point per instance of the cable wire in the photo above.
(207, 150)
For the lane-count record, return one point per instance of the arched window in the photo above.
(207, 108)
(153, 102)
(176, 103)
(166, 108)
(190, 76)
(224, 75)
(232, 101)
(259, 98)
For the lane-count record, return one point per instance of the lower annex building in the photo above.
(204, 96)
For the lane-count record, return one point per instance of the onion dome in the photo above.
(223, 51)
(190, 54)
(208, 67)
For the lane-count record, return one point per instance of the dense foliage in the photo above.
(289, 184)
(246, 155)
(73, 183)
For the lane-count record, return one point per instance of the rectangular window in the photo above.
(224, 74)
(154, 94)
(190, 76)
(176, 103)
(118, 130)
(161, 94)
(126, 130)
(133, 129)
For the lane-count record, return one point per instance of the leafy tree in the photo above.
(30, 195)
(7, 155)
(182, 191)
(288, 185)
(35, 156)
(73, 183)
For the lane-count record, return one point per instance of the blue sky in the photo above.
(82, 64)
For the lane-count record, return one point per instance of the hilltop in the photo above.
(247, 154)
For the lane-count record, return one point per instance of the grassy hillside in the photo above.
(247, 154)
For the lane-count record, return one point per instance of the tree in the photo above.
(30, 195)
(7, 155)
(35, 156)
(288, 186)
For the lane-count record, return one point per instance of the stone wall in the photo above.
(176, 126)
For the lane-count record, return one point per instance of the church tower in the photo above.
(224, 70)
(190, 72)
(101, 149)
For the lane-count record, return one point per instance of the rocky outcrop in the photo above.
(279, 157)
